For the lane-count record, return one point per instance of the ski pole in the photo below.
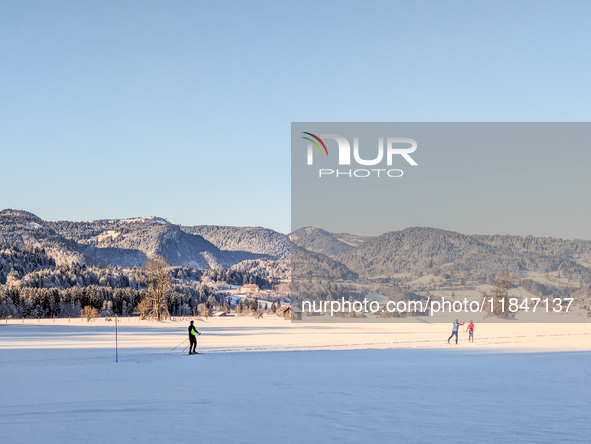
(185, 349)
(180, 344)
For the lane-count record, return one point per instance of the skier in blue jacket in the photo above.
(454, 331)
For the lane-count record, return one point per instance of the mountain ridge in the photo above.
(414, 250)
(123, 242)
(422, 250)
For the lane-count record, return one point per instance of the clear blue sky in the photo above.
(182, 109)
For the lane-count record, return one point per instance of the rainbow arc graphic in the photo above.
(315, 143)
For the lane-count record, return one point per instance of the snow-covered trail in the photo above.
(323, 396)
(59, 384)
(237, 334)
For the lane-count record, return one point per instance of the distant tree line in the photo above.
(32, 286)
(52, 302)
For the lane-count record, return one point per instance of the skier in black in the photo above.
(192, 339)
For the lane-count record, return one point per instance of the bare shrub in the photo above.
(90, 313)
(144, 308)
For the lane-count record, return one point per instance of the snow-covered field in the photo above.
(272, 381)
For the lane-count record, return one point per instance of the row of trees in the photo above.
(160, 291)
(47, 303)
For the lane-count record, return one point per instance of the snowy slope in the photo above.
(127, 242)
(55, 390)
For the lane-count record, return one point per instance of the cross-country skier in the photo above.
(470, 331)
(455, 331)
(192, 338)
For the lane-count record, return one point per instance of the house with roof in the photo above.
(249, 288)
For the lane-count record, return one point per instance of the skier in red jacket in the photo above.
(470, 331)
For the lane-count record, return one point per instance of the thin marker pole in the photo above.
(116, 343)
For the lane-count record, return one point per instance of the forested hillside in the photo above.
(54, 268)
(258, 240)
(429, 250)
(128, 242)
(322, 241)
(57, 268)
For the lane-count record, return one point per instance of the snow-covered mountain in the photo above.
(429, 250)
(127, 242)
(417, 250)
(322, 241)
(256, 240)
